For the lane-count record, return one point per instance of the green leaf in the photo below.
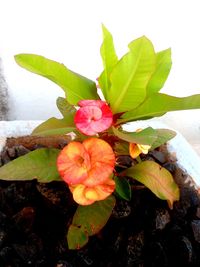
(123, 188)
(109, 58)
(64, 107)
(157, 179)
(144, 137)
(55, 126)
(39, 164)
(158, 104)
(76, 87)
(163, 136)
(148, 136)
(89, 220)
(121, 148)
(130, 76)
(76, 237)
(163, 66)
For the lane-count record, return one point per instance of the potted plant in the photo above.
(105, 182)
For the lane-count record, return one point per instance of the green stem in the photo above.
(138, 159)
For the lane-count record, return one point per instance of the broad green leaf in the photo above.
(39, 164)
(64, 107)
(109, 58)
(163, 136)
(144, 137)
(55, 126)
(92, 218)
(148, 136)
(56, 131)
(130, 76)
(158, 104)
(163, 66)
(89, 220)
(76, 87)
(123, 188)
(121, 121)
(76, 237)
(157, 179)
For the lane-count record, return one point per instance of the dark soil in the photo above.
(34, 219)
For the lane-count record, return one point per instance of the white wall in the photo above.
(70, 32)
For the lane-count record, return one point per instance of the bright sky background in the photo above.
(70, 32)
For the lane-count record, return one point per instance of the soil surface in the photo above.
(34, 219)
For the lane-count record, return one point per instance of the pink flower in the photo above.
(93, 116)
(86, 167)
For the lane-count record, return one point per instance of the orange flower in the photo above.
(85, 195)
(136, 149)
(86, 167)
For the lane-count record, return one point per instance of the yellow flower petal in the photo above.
(87, 195)
(134, 150)
(144, 148)
(79, 195)
(90, 193)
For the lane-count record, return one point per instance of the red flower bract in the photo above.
(93, 116)
(86, 167)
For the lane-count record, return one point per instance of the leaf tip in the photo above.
(103, 27)
(17, 57)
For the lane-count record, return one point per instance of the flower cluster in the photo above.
(87, 167)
